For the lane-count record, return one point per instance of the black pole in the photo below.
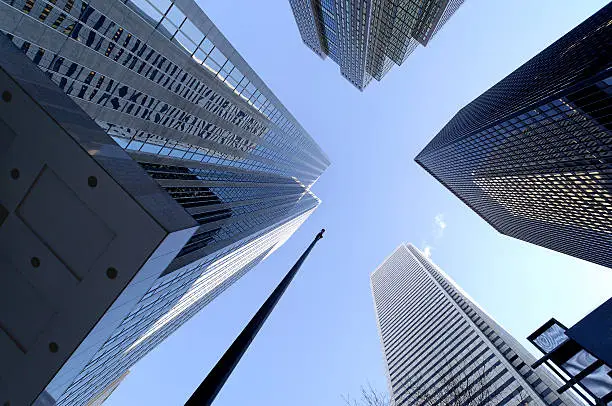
(214, 381)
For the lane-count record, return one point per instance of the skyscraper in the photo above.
(225, 160)
(531, 155)
(439, 346)
(367, 38)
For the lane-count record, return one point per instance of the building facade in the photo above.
(161, 80)
(531, 155)
(441, 348)
(81, 223)
(99, 399)
(366, 38)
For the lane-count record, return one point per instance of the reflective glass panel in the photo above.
(176, 16)
(192, 32)
(551, 338)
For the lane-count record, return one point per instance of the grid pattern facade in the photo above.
(449, 10)
(170, 302)
(433, 335)
(366, 38)
(162, 83)
(532, 154)
(101, 397)
(227, 204)
(308, 24)
(160, 79)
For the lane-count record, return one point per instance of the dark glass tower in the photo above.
(533, 154)
(367, 38)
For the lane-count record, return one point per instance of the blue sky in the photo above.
(321, 341)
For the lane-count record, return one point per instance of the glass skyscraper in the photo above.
(366, 38)
(441, 348)
(162, 81)
(531, 155)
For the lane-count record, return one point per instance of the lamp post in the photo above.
(205, 394)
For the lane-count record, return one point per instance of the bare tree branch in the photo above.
(458, 382)
(369, 397)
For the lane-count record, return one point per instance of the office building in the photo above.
(80, 224)
(531, 155)
(367, 38)
(441, 348)
(193, 173)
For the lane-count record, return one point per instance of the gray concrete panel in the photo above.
(82, 221)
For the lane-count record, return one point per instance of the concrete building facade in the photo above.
(441, 348)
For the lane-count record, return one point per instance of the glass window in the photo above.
(231, 81)
(212, 65)
(146, 9)
(206, 46)
(199, 55)
(162, 5)
(226, 69)
(121, 141)
(218, 57)
(185, 42)
(135, 145)
(251, 88)
(237, 75)
(245, 85)
(222, 74)
(228, 66)
(176, 16)
(153, 149)
(167, 28)
(239, 88)
(192, 32)
(177, 153)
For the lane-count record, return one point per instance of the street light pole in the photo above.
(214, 381)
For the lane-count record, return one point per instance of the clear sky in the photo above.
(321, 341)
